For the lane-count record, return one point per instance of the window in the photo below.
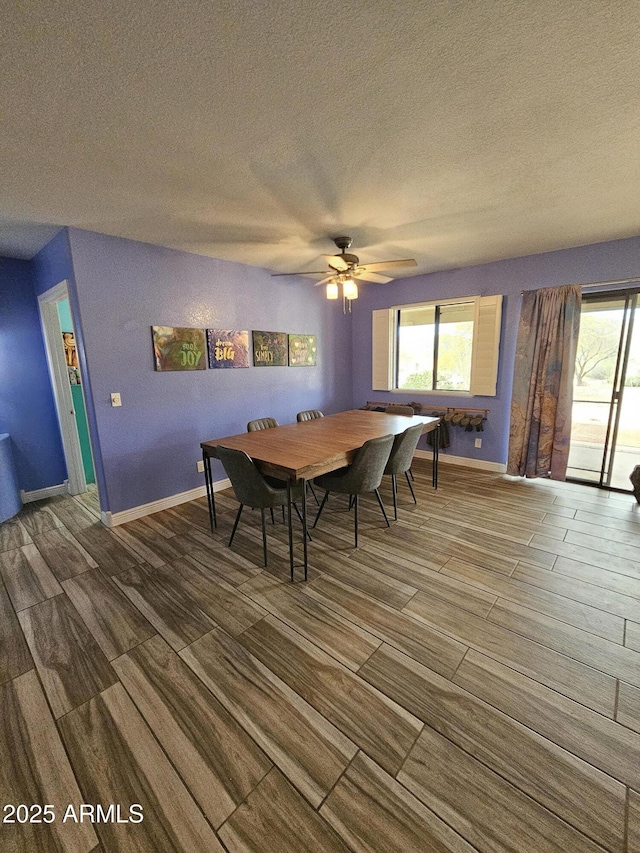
(434, 347)
(450, 345)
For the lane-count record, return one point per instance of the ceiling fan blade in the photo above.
(324, 280)
(365, 275)
(337, 262)
(305, 272)
(383, 265)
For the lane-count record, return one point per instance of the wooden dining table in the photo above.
(298, 452)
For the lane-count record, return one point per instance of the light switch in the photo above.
(116, 399)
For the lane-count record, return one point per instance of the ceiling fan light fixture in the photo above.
(349, 289)
(345, 267)
(332, 290)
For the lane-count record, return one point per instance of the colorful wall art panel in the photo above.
(302, 350)
(270, 349)
(178, 349)
(228, 348)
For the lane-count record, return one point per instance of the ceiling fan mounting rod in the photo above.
(343, 243)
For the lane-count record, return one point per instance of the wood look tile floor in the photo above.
(466, 680)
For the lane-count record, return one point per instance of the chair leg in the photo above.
(355, 503)
(233, 532)
(413, 494)
(324, 500)
(273, 521)
(264, 536)
(315, 497)
(394, 489)
(411, 472)
(384, 512)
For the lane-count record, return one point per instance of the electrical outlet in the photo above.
(116, 400)
(200, 466)
(478, 442)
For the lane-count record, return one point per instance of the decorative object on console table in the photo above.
(302, 350)
(270, 349)
(228, 348)
(176, 348)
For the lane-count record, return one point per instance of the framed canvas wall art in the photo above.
(176, 348)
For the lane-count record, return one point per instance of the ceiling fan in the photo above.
(346, 267)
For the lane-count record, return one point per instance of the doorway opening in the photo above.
(605, 431)
(68, 387)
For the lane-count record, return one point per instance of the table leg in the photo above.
(305, 534)
(289, 513)
(208, 479)
(304, 526)
(436, 454)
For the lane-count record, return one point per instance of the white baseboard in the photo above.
(113, 519)
(40, 494)
(465, 461)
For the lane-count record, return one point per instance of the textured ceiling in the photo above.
(254, 130)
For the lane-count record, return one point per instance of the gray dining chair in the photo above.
(270, 423)
(253, 490)
(400, 410)
(362, 476)
(302, 417)
(309, 415)
(397, 409)
(400, 460)
(262, 423)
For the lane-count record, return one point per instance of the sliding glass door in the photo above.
(605, 433)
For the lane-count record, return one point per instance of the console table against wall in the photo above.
(423, 408)
(462, 416)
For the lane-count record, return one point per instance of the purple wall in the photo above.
(150, 446)
(27, 410)
(53, 263)
(600, 262)
(148, 449)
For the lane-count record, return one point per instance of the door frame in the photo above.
(617, 393)
(54, 346)
(631, 298)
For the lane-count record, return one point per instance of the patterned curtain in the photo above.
(542, 394)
